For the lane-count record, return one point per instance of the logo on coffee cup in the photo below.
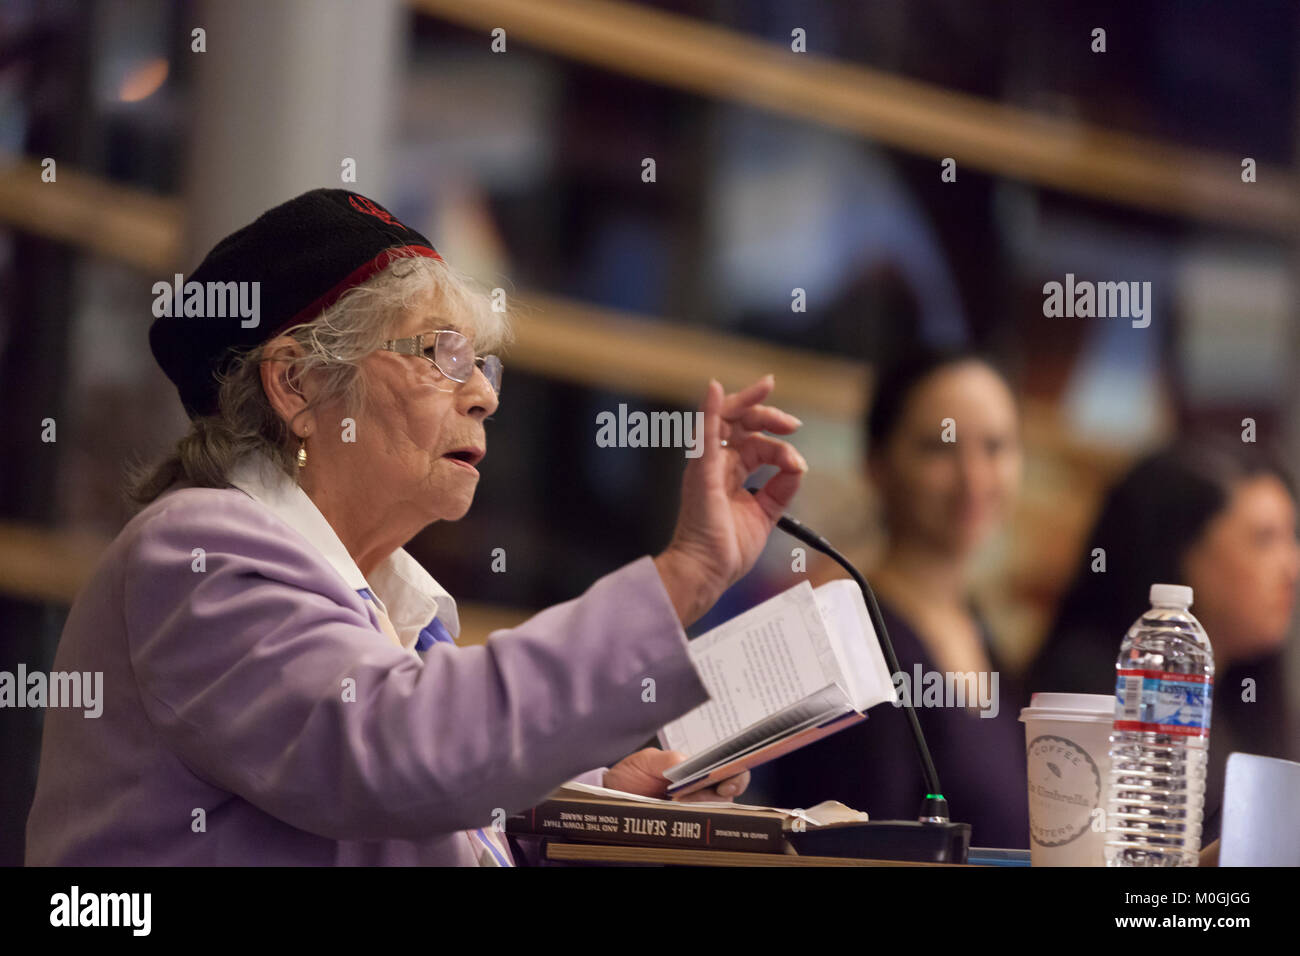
(1064, 787)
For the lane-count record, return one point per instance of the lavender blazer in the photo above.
(225, 692)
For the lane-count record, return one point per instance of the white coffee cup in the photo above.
(1067, 744)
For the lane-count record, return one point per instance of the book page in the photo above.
(753, 666)
(825, 705)
(796, 739)
(866, 675)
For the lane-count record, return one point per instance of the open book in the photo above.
(794, 669)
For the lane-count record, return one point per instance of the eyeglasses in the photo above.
(450, 353)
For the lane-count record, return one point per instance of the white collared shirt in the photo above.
(402, 589)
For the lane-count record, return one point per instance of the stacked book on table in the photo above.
(580, 813)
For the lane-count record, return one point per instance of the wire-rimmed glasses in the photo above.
(451, 353)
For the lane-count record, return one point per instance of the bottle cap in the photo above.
(1175, 595)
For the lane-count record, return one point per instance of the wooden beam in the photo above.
(1076, 157)
(43, 565)
(640, 355)
(118, 222)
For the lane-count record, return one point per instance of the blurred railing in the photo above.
(1076, 157)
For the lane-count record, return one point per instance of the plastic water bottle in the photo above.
(1161, 736)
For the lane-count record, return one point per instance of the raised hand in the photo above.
(721, 527)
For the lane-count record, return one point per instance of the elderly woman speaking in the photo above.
(281, 681)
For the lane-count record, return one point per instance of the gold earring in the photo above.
(302, 453)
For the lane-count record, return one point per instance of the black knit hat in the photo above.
(287, 266)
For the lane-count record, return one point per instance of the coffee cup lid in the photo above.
(1079, 706)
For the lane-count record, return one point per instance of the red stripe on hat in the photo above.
(355, 278)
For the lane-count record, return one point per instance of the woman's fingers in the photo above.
(758, 450)
(714, 401)
(743, 410)
(767, 418)
(743, 419)
(707, 795)
(735, 404)
(777, 493)
(728, 789)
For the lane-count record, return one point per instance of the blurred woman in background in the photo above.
(944, 488)
(1220, 517)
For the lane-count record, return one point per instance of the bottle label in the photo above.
(1158, 702)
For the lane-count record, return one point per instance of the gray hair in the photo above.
(331, 345)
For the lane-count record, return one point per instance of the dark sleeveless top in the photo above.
(873, 765)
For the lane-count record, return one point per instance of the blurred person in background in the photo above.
(1219, 516)
(281, 683)
(940, 501)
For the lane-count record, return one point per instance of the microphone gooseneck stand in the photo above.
(933, 836)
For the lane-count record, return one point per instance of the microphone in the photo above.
(934, 807)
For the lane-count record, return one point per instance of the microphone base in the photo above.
(893, 840)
